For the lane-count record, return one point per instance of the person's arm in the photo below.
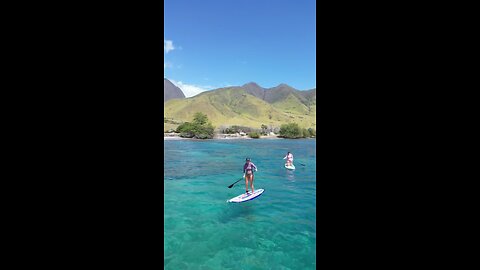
(255, 167)
(285, 157)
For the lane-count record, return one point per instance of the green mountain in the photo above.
(249, 105)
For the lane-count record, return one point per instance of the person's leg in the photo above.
(251, 183)
(246, 183)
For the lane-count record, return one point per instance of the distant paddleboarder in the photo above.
(248, 173)
(289, 158)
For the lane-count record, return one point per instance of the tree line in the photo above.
(201, 128)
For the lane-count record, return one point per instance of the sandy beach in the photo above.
(171, 138)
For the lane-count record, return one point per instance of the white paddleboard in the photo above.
(290, 167)
(247, 197)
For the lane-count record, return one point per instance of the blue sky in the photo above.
(216, 43)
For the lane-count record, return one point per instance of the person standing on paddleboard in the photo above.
(248, 173)
(289, 158)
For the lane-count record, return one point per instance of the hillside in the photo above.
(170, 91)
(248, 105)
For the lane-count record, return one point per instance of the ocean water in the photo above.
(274, 231)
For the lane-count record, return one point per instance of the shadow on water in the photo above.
(234, 211)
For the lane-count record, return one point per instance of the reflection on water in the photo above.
(290, 175)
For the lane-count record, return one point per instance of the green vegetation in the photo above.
(293, 131)
(305, 132)
(199, 128)
(254, 135)
(264, 129)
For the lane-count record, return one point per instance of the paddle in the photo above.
(299, 162)
(235, 183)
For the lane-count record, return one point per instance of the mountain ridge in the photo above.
(247, 105)
(170, 91)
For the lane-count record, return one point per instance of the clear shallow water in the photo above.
(274, 231)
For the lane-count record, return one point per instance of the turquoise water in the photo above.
(274, 231)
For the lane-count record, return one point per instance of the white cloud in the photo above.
(168, 46)
(191, 90)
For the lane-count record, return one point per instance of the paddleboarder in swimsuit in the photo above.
(248, 173)
(289, 158)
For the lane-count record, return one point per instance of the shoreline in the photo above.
(176, 136)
